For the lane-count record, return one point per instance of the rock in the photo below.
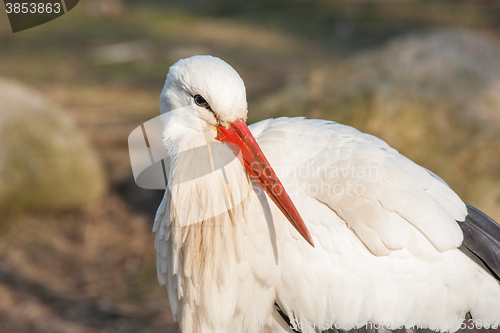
(434, 97)
(45, 162)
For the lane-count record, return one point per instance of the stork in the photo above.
(322, 226)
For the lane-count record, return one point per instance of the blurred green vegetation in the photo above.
(60, 51)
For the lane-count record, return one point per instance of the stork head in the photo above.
(207, 88)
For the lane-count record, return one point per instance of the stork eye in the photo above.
(200, 101)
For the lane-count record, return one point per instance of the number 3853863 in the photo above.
(32, 8)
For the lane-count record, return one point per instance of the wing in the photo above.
(385, 229)
(390, 202)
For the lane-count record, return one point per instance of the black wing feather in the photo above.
(482, 240)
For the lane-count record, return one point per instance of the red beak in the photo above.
(239, 138)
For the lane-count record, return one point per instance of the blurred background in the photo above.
(76, 247)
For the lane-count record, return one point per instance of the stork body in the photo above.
(385, 230)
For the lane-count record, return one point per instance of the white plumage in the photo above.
(384, 228)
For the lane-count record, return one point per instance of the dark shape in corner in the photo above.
(25, 15)
(70, 4)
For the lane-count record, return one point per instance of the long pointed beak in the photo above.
(239, 138)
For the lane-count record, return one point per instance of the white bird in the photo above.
(386, 245)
